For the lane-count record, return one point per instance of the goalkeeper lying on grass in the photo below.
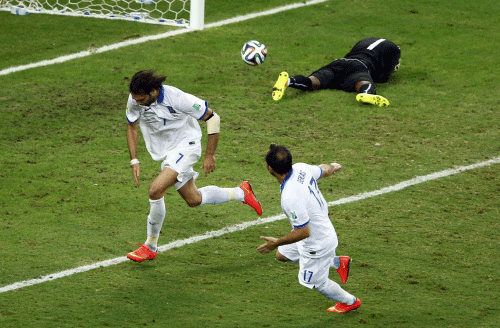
(370, 61)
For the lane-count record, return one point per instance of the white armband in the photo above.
(213, 124)
(134, 161)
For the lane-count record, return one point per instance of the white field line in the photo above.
(243, 226)
(119, 45)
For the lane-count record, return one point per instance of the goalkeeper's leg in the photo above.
(367, 94)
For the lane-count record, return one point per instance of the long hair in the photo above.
(279, 159)
(143, 82)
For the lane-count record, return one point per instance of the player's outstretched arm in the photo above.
(329, 169)
(292, 237)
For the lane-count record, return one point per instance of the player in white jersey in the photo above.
(168, 119)
(313, 240)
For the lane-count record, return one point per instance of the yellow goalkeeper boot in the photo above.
(376, 100)
(280, 86)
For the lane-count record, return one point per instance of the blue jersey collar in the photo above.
(286, 179)
(161, 96)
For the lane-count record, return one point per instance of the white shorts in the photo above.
(182, 160)
(312, 271)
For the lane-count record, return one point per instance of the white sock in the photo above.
(215, 195)
(333, 291)
(155, 222)
(335, 262)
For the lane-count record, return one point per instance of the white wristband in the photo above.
(134, 161)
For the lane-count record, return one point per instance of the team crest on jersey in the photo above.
(293, 216)
(196, 106)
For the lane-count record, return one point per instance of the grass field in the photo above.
(428, 255)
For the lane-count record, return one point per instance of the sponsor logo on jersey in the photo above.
(197, 106)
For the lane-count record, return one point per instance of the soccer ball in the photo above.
(254, 53)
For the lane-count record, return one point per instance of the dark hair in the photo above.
(279, 159)
(143, 82)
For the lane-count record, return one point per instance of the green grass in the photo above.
(425, 256)
(32, 38)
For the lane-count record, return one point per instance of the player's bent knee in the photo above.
(324, 288)
(316, 84)
(193, 203)
(154, 192)
(192, 199)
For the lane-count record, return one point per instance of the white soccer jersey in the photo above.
(170, 122)
(303, 204)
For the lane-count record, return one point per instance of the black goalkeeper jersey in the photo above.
(379, 55)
